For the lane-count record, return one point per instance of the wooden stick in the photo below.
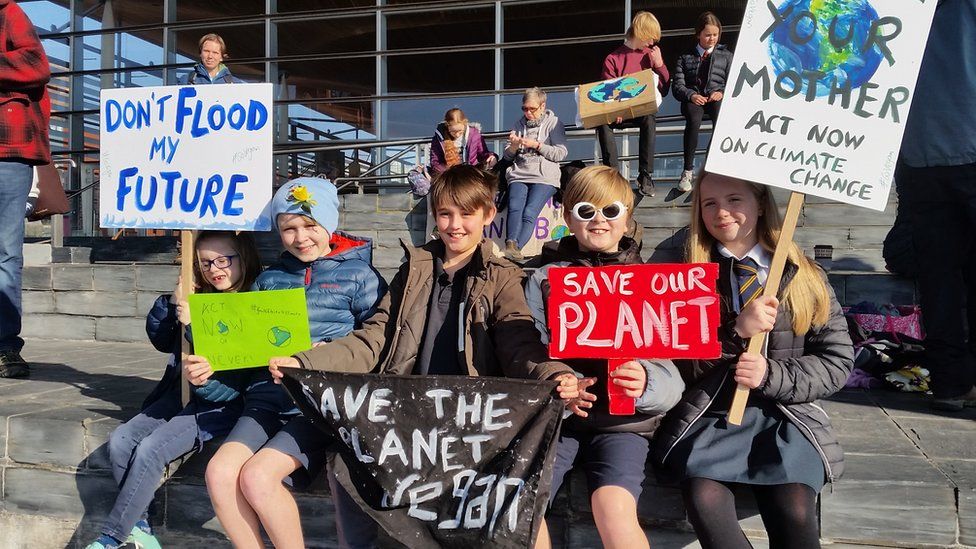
(772, 286)
(187, 245)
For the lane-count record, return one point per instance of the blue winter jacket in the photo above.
(342, 291)
(201, 76)
(216, 404)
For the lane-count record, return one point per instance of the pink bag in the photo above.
(907, 322)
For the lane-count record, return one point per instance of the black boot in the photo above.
(645, 184)
(12, 365)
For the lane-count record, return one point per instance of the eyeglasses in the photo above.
(531, 109)
(221, 262)
(584, 211)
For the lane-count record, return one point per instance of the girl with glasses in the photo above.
(165, 430)
(536, 146)
(611, 449)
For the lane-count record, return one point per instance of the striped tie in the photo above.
(747, 273)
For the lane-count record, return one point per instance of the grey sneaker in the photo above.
(645, 184)
(956, 404)
(12, 365)
(512, 252)
(687, 177)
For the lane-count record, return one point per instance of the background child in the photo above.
(640, 51)
(699, 84)
(164, 430)
(456, 141)
(426, 294)
(271, 441)
(611, 449)
(785, 447)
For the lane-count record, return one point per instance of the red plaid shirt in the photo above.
(24, 104)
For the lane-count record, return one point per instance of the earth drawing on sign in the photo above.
(278, 336)
(621, 89)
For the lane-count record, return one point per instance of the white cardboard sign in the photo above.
(186, 157)
(818, 95)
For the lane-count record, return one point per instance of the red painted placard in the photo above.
(661, 310)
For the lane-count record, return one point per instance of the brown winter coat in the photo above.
(500, 338)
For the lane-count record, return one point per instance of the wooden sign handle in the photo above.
(187, 246)
(772, 286)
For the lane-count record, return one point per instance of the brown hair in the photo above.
(455, 116)
(644, 26)
(707, 18)
(806, 297)
(214, 37)
(247, 254)
(464, 186)
(598, 185)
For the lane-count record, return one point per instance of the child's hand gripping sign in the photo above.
(627, 312)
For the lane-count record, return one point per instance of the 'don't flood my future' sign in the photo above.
(234, 330)
(818, 95)
(186, 157)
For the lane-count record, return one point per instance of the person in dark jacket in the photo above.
(272, 441)
(640, 51)
(785, 449)
(211, 68)
(457, 141)
(165, 429)
(25, 108)
(699, 84)
(612, 449)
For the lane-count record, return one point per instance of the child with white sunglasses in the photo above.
(611, 449)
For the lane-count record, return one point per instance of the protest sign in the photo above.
(818, 94)
(816, 103)
(549, 225)
(626, 97)
(634, 311)
(244, 329)
(449, 461)
(186, 157)
(625, 312)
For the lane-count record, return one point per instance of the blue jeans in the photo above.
(15, 182)
(139, 451)
(525, 202)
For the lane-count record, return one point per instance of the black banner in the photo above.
(447, 461)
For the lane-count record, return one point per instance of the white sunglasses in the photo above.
(584, 211)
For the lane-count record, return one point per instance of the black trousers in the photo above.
(608, 146)
(940, 203)
(693, 118)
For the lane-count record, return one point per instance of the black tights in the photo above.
(789, 512)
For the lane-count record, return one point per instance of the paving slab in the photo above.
(967, 517)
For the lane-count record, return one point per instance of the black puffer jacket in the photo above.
(802, 369)
(684, 81)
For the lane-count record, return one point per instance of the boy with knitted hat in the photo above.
(272, 440)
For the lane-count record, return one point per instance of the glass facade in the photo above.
(362, 83)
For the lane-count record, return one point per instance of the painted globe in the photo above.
(845, 60)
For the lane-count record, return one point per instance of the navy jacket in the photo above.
(216, 404)
(684, 83)
(342, 291)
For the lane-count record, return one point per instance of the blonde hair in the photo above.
(214, 37)
(645, 27)
(598, 185)
(455, 116)
(806, 297)
(464, 186)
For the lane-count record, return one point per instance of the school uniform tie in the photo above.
(747, 274)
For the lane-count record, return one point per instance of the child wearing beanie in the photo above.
(272, 443)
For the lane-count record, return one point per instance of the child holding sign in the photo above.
(272, 441)
(165, 430)
(453, 308)
(784, 449)
(612, 449)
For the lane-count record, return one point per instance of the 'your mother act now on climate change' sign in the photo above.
(818, 95)
(186, 157)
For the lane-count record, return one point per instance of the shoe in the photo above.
(684, 184)
(142, 539)
(104, 542)
(12, 365)
(956, 404)
(512, 251)
(645, 184)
